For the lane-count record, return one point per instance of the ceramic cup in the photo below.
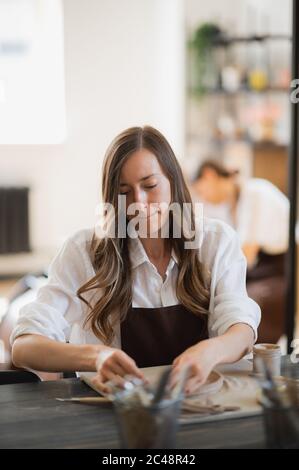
(271, 355)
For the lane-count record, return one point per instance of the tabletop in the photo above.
(30, 417)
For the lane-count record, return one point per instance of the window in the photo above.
(32, 105)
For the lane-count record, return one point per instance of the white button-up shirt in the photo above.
(59, 314)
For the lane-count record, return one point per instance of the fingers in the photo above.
(114, 364)
(174, 377)
(109, 376)
(128, 365)
(192, 385)
(176, 360)
(178, 368)
(195, 376)
(110, 366)
(179, 376)
(99, 385)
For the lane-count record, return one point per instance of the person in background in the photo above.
(259, 212)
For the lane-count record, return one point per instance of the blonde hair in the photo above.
(110, 256)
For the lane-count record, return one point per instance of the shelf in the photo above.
(221, 91)
(243, 90)
(224, 41)
(264, 144)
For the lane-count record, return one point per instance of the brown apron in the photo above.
(156, 336)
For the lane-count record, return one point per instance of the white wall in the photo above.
(124, 65)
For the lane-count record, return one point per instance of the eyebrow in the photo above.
(141, 179)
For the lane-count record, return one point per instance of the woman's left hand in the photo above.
(201, 359)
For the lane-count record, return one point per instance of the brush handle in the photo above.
(161, 387)
(87, 400)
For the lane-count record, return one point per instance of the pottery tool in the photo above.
(87, 400)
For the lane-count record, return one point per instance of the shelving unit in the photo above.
(217, 100)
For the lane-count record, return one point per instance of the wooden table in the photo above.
(30, 417)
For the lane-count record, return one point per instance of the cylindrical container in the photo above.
(270, 354)
(148, 427)
(281, 427)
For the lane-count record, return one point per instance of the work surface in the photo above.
(30, 417)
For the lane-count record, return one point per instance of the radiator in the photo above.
(14, 220)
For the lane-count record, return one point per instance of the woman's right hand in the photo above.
(113, 364)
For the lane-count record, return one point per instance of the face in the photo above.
(209, 187)
(143, 183)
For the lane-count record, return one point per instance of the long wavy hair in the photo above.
(110, 256)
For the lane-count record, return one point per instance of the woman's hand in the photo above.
(200, 360)
(113, 364)
(204, 356)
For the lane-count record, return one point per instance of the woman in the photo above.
(126, 303)
(259, 212)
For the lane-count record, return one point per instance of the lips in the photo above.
(140, 216)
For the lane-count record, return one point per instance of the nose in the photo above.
(140, 196)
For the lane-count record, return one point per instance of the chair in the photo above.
(23, 285)
(8, 373)
(11, 375)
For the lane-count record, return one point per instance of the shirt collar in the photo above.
(138, 254)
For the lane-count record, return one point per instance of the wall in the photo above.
(123, 66)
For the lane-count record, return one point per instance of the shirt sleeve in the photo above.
(230, 303)
(56, 306)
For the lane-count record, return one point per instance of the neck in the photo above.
(231, 193)
(156, 248)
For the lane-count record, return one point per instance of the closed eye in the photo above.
(145, 187)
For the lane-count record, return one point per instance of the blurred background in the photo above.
(214, 77)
